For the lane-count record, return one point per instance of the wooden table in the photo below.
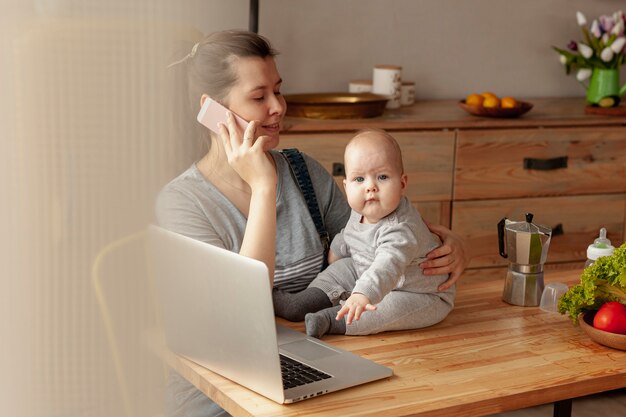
(485, 357)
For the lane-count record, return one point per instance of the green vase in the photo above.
(604, 84)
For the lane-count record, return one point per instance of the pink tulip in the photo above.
(595, 29)
(618, 45)
(585, 50)
(583, 74)
(605, 38)
(607, 54)
(606, 23)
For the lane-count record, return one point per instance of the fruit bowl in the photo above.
(614, 340)
(478, 110)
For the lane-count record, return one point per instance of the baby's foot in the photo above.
(317, 324)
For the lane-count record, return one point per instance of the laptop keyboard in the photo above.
(296, 373)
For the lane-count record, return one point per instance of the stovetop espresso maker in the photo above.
(526, 249)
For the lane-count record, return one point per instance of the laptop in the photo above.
(217, 311)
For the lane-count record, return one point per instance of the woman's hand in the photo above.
(354, 306)
(450, 258)
(246, 155)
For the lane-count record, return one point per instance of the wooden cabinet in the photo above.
(572, 179)
(466, 172)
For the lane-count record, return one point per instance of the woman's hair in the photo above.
(209, 69)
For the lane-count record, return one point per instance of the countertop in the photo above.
(446, 114)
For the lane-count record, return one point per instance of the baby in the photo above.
(374, 260)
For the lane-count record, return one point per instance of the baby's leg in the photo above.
(325, 290)
(402, 310)
(337, 281)
(294, 306)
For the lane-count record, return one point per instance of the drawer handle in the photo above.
(338, 169)
(545, 164)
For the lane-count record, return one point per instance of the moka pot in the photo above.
(525, 245)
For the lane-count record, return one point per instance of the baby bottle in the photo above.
(600, 247)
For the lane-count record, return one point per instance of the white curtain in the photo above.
(86, 143)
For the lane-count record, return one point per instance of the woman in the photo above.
(241, 195)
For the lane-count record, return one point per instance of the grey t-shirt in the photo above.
(192, 206)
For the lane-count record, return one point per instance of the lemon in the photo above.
(491, 103)
(488, 94)
(508, 103)
(474, 100)
(607, 102)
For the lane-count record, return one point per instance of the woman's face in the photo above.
(256, 96)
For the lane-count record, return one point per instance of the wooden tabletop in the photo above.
(485, 357)
(446, 114)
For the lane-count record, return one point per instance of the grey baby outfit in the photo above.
(381, 262)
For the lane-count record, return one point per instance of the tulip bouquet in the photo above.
(604, 46)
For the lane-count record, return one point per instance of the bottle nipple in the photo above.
(602, 242)
(599, 248)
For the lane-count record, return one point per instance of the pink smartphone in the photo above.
(213, 113)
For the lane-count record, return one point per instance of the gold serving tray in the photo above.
(335, 105)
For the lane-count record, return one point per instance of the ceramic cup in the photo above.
(360, 86)
(386, 81)
(407, 93)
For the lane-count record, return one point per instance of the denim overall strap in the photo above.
(301, 174)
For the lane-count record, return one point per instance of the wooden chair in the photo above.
(125, 295)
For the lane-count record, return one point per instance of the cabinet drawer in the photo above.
(435, 212)
(492, 164)
(428, 159)
(581, 218)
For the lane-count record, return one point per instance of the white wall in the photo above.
(448, 47)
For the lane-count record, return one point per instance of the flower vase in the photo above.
(604, 88)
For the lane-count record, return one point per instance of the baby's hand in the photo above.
(354, 306)
(332, 257)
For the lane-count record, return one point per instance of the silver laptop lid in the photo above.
(227, 328)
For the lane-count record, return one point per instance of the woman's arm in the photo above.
(450, 258)
(259, 241)
(247, 157)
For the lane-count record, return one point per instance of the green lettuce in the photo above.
(601, 282)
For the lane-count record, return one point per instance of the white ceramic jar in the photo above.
(386, 81)
(360, 86)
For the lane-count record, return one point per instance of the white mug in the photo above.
(386, 82)
(360, 86)
(407, 93)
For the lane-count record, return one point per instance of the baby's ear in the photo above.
(345, 183)
(404, 180)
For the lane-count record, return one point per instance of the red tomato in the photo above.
(611, 317)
